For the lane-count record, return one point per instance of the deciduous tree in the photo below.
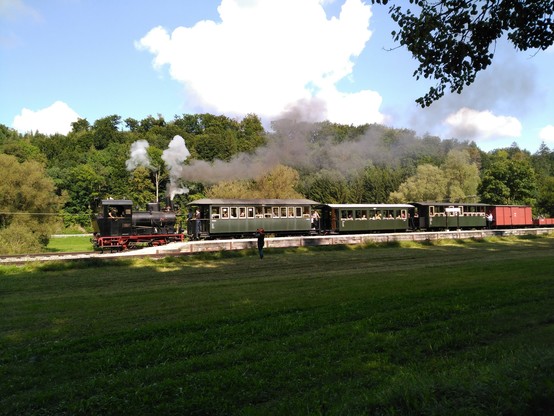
(428, 184)
(28, 206)
(279, 183)
(509, 180)
(462, 176)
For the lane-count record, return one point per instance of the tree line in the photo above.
(50, 180)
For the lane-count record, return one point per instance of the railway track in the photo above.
(191, 247)
(43, 257)
(18, 259)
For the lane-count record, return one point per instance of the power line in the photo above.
(40, 213)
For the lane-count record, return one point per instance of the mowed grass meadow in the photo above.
(450, 328)
(71, 243)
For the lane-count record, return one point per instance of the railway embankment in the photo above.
(191, 247)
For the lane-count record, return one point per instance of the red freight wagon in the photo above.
(542, 222)
(512, 216)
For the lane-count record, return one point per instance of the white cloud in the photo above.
(54, 119)
(266, 56)
(547, 133)
(467, 123)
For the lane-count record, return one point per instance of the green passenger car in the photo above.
(435, 216)
(209, 218)
(365, 218)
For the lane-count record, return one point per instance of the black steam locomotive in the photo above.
(117, 227)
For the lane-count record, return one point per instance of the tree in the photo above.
(141, 187)
(374, 184)
(82, 183)
(545, 202)
(326, 186)
(428, 184)
(24, 150)
(80, 125)
(7, 134)
(454, 39)
(279, 183)
(462, 176)
(509, 180)
(230, 189)
(28, 206)
(251, 133)
(543, 164)
(105, 131)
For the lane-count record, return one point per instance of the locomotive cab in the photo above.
(113, 218)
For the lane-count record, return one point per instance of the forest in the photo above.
(50, 180)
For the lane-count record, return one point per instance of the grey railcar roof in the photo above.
(372, 206)
(252, 202)
(451, 204)
(117, 202)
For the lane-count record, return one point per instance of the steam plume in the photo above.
(174, 156)
(139, 156)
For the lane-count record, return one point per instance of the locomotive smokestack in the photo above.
(169, 203)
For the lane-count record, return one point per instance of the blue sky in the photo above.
(318, 60)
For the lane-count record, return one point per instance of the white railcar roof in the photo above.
(368, 206)
(252, 202)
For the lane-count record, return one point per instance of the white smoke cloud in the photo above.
(174, 157)
(139, 156)
(266, 56)
(51, 120)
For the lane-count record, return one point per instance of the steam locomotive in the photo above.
(117, 227)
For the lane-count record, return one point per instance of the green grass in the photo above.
(406, 329)
(69, 244)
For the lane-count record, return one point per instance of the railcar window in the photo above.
(250, 212)
(275, 212)
(306, 212)
(431, 211)
(215, 212)
(347, 214)
(284, 212)
(225, 212)
(259, 212)
(267, 212)
(298, 212)
(291, 212)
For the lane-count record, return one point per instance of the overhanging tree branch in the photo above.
(455, 39)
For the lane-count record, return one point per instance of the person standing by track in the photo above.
(260, 235)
